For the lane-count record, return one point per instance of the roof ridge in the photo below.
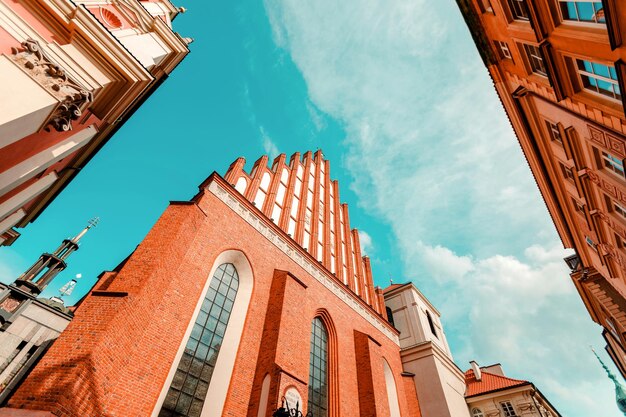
(489, 383)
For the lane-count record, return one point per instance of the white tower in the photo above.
(425, 353)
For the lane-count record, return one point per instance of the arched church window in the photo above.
(476, 412)
(318, 370)
(185, 397)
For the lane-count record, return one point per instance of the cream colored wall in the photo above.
(24, 106)
(520, 398)
(35, 325)
(440, 384)
(409, 308)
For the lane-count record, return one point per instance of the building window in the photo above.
(591, 243)
(621, 242)
(318, 370)
(535, 60)
(613, 164)
(588, 11)
(599, 78)
(567, 173)
(554, 132)
(477, 412)
(503, 50)
(193, 375)
(619, 209)
(485, 6)
(390, 316)
(580, 208)
(519, 10)
(612, 328)
(431, 324)
(507, 409)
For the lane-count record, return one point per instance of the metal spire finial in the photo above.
(620, 390)
(91, 223)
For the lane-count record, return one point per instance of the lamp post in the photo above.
(285, 411)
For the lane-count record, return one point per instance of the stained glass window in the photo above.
(186, 395)
(318, 370)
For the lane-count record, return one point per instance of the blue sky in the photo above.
(395, 94)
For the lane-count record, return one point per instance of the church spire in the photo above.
(620, 390)
(31, 283)
(41, 273)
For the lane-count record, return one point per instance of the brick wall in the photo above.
(116, 354)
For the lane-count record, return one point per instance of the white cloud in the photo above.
(367, 246)
(432, 153)
(268, 145)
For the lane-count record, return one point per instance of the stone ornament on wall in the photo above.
(72, 96)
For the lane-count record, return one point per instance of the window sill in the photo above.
(523, 26)
(605, 104)
(540, 79)
(583, 31)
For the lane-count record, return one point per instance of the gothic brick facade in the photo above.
(118, 357)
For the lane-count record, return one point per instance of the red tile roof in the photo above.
(488, 383)
(393, 287)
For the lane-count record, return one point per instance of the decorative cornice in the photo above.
(313, 269)
(72, 96)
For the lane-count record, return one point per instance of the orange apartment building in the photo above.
(559, 69)
(253, 291)
(71, 74)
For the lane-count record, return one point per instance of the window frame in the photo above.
(324, 407)
(477, 412)
(616, 97)
(431, 324)
(608, 162)
(537, 54)
(216, 301)
(485, 6)
(595, 24)
(554, 133)
(619, 209)
(503, 50)
(517, 6)
(507, 409)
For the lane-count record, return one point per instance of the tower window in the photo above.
(599, 78)
(431, 324)
(390, 316)
(588, 11)
(185, 397)
(318, 370)
(477, 412)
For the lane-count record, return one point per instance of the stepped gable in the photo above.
(488, 383)
(301, 199)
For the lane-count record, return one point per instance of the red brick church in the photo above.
(252, 292)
